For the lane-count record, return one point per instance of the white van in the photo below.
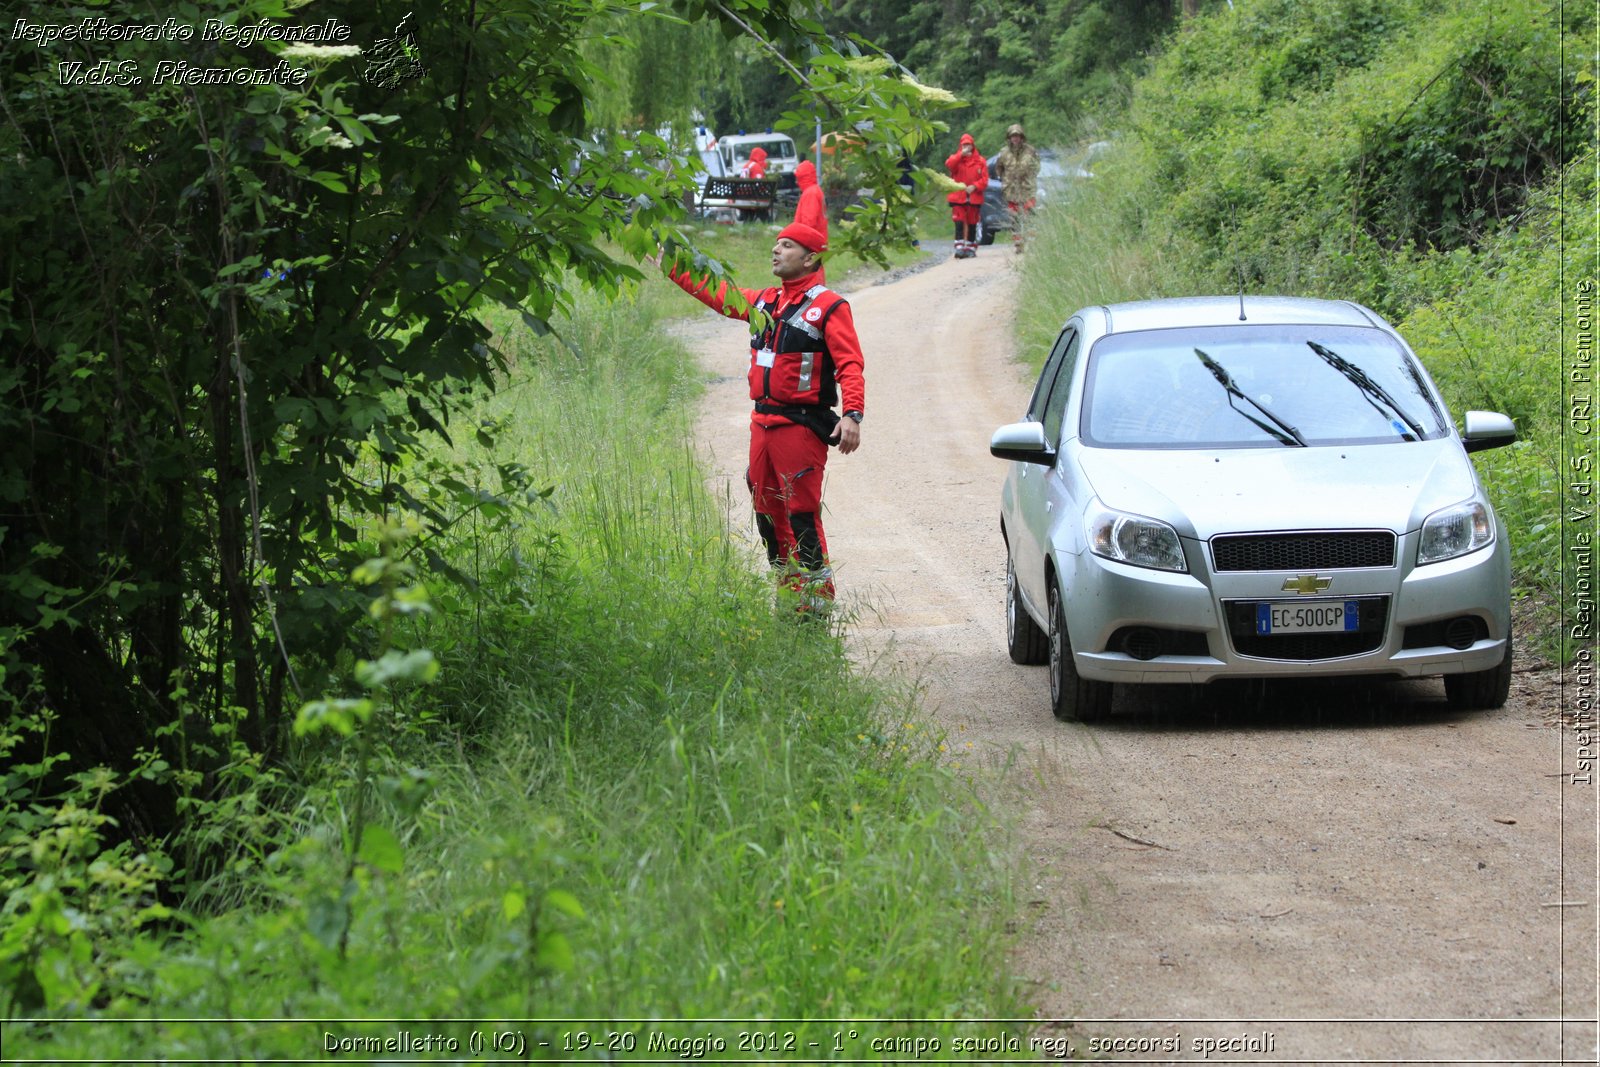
(782, 157)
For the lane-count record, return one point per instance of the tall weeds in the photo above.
(635, 790)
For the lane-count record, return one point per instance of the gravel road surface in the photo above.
(1344, 873)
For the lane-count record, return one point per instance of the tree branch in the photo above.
(776, 54)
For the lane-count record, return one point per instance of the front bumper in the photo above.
(1443, 618)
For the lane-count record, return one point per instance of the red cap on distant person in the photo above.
(807, 237)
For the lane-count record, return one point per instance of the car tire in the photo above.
(1028, 644)
(1481, 690)
(985, 235)
(1072, 698)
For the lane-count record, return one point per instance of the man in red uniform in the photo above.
(756, 165)
(804, 359)
(966, 204)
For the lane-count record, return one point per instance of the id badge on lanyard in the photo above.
(764, 357)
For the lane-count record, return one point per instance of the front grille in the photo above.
(1339, 550)
(1373, 622)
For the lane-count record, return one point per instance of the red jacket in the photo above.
(968, 170)
(802, 370)
(756, 166)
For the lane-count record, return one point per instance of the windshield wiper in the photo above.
(1372, 391)
(1279, 429)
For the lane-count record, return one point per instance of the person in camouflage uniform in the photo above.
(1017, 166)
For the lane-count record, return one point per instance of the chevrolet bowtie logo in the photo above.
(1306, 584)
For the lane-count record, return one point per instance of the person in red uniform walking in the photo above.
(968, 168)
(756, 165)
(805, 359)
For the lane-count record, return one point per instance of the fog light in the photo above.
(1461, 632)
(1141, 642)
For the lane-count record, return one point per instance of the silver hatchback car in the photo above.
(1255, 487)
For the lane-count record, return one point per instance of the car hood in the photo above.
(1207, 492)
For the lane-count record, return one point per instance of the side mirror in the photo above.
(1487, 429)
(1023, 442)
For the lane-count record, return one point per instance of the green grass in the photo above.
(1080, 255)
(638, 789)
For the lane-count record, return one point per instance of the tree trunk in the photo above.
(233, 558)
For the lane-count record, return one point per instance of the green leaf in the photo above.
(555, 953)
(328, 180)
(567, 115)
(565, 902)
(249, 263)
(396, 666)
(327, 919)
(342, 716)
(513, 904)
(354, 129)
(381, 850)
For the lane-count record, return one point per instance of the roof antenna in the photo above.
(1233, 212)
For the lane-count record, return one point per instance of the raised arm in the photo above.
(716, 301)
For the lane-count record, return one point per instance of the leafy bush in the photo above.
(634, 781)
(1491, 331)
(1315, 148)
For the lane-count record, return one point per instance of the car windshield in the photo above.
(779, 148)
(1267, 386)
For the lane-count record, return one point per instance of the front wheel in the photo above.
(1481, 690)
(1072, 698)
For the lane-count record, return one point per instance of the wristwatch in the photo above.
(854, 415)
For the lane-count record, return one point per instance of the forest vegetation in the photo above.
(341, 674)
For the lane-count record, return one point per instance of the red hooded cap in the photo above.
(807, 237)
(811, 210)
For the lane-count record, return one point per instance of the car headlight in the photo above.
(1137, 540)
(1455, 531)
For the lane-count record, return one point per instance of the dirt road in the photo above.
(1316, 872)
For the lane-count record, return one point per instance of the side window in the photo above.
(1055, 405)
(1047, 377)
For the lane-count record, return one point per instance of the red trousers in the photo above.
(785, 478)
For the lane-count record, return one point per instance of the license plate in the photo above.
(1321, 617)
